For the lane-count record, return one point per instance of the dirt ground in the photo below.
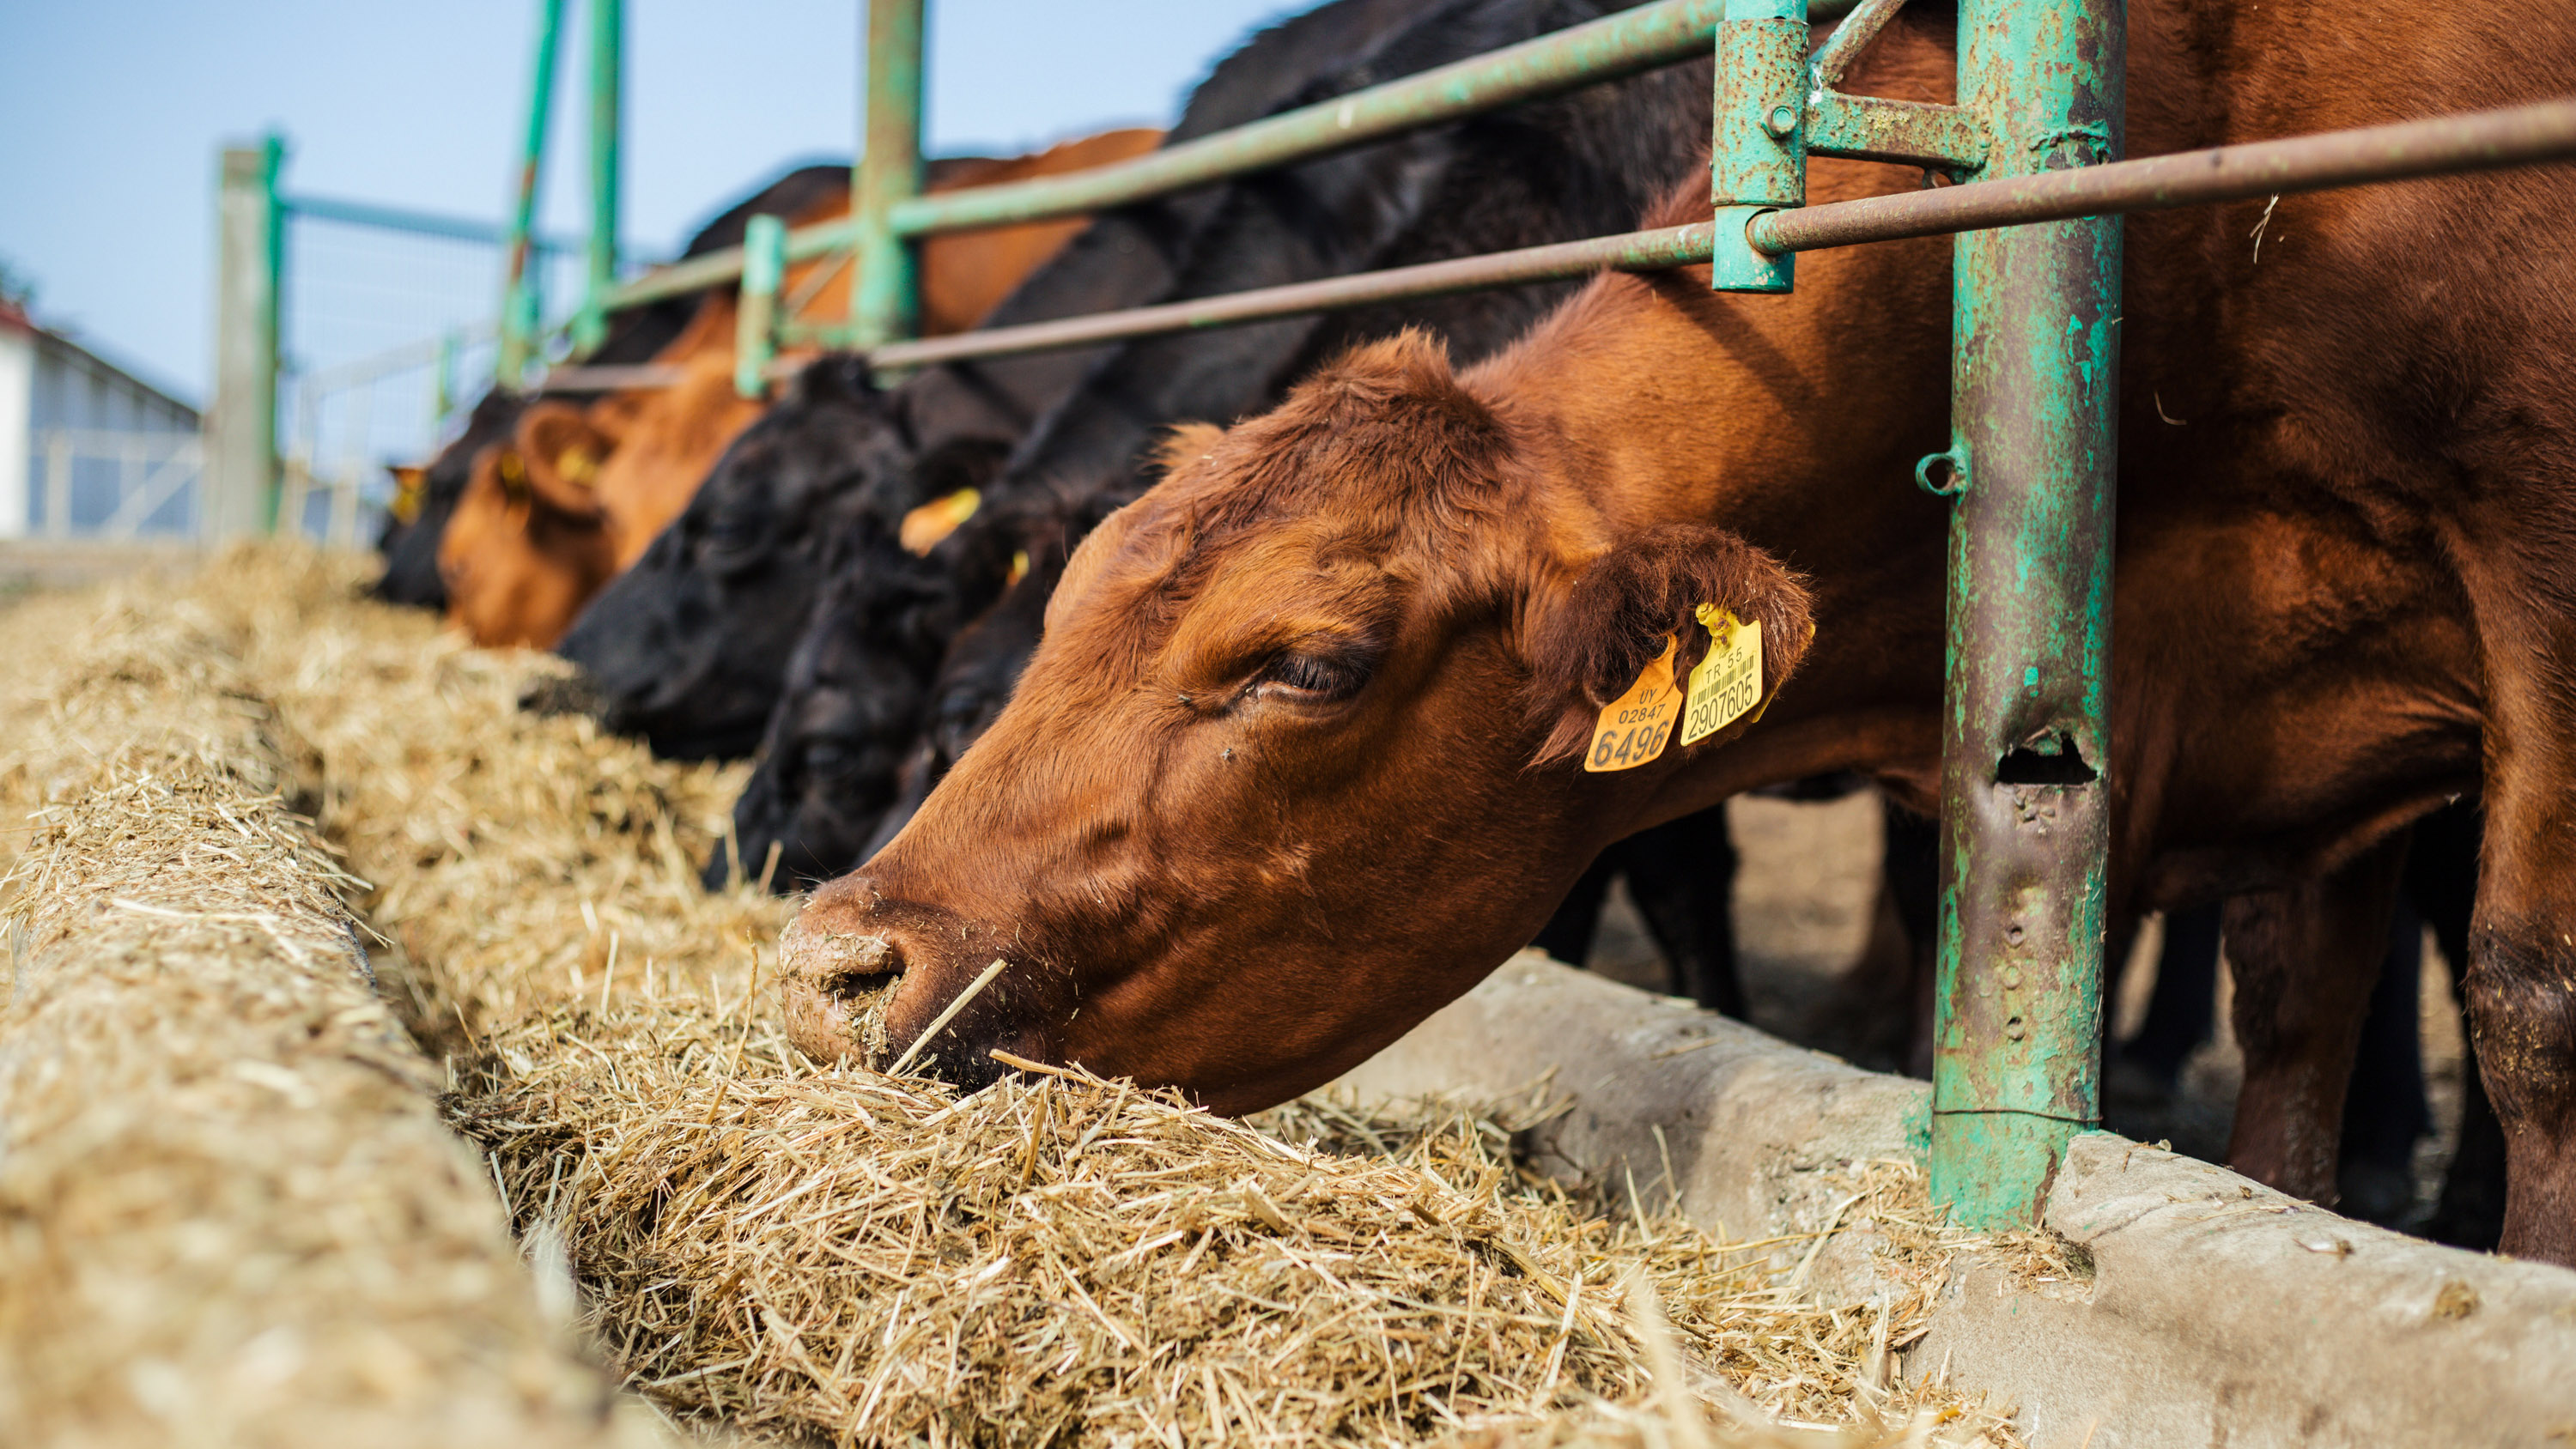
(1806, 896)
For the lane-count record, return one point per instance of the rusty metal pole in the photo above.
(2025, 818)
(521, 302)
(885, 304)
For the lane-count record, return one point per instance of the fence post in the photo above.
(521, 302)
(884, 304)
(58, 485)
(241, 482)
(764, 265)
(607, 24)
(2025, 818)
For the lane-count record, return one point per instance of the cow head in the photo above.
(687, 647)
(857, 687)
(1298, 758)
(865, 726)
(411, 544)
(517, 558)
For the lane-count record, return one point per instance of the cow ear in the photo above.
(562, 451)
(1591, 639)
(1186, 443)
(411, 486)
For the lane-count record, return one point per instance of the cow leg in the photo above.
(1682, 876)
(2304, 959)
(2442, 881)
(2522, 1000)
(1567, 936)
(2384, 1113)
(2181, 1010)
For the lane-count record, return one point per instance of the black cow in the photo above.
(635, 335)
(1573, 166)
(687, 648)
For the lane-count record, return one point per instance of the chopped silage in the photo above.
(849, 1258)
(229, 1212)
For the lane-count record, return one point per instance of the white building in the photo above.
(86, 447)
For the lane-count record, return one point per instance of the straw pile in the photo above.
(229, 1212)
(834, 1256)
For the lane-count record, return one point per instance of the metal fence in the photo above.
(116, 485)
(2032, 141)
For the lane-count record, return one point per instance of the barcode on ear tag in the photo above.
(1633, 728)
(1729, 681)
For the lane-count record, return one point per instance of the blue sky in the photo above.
(111, 112)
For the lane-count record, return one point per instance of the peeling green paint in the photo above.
(2017, 1031)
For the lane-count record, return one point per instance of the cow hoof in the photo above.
(834, 992)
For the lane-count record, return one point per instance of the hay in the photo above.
(836, 1256)
(229, 1213)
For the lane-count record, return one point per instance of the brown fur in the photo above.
(630, 462)
(2348, 491)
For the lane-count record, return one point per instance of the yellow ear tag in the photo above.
(1632, 728)
(924, 527)
(1729, 681)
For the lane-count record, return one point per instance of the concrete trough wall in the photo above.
(2218, 1313)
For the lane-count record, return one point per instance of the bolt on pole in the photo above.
(884, 297)
(2025, 816)
(520, 302)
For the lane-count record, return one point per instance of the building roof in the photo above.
(14, 318)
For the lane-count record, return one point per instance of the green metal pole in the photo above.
(520, 302)
(607, 29)
(239, 497)
(885, 304)
(272, 318)
(764, 264)
(2025, 819)
(1758, 148)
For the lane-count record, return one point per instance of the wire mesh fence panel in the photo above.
(384, 335)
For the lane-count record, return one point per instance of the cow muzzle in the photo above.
(869, 981)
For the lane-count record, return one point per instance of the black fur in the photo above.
(635, 335)
(689, 652)
(1579, 165)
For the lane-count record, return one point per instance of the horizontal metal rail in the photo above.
(1611, 48)
(1608, 49)
(426, 223)
(2477, 141)
(613, 377)
(2404, 151)
(1636, 251)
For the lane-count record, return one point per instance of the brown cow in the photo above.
(624, 467)
(1291, 767)
(511, 553)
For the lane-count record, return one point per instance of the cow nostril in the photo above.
(836, 990)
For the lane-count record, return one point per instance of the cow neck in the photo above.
(1650, 400)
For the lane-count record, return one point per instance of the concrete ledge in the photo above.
(2219, 1312)
(1756, 1131)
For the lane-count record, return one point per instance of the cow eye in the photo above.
(1318, 678)
(729, 536)
(827, 759)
